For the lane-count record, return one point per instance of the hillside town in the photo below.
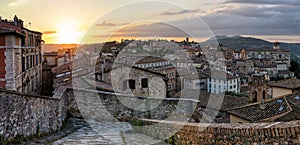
(257, 85)
(252, 76)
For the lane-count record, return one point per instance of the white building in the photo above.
(221, 85)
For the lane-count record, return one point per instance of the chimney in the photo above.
(16, 20)
(262, 104)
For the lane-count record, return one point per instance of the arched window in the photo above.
(254, 96)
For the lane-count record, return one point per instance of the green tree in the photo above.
(295, 67)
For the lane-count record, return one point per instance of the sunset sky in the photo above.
(91, 21)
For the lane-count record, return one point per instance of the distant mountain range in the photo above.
(234, 42)
(239, 42)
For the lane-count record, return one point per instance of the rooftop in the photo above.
(150, 59)
(256, 113)
(291, 83)
(285, 108)
(227, 103)
(5, 31)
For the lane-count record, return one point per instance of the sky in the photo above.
(94, 21)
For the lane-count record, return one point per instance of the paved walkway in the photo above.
(106, 133)
(81, 132)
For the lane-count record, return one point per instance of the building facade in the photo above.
(162, 66)
(20, 57)
(138, 81)
(280, 57)
(219, 85)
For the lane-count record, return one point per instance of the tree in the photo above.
(295, 67)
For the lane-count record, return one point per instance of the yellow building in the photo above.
(284, 87)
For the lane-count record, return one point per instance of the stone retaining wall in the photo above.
(253, 133)
(26, 115)
(100, 105)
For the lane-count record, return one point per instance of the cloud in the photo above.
(15, 2)
(182, 12)
(271, 2)
(108, 24)
(155, 29)
(237, 19)
(49, 32)
(254, 20)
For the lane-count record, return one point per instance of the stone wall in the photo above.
(252, 133)
(26, 115)
(104, 106)
(109, 106)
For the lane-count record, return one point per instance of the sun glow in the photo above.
(68, 33)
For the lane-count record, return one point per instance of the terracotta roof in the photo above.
(294, 101)
(4, 31)
(291, 83)
(218, 74)
(227, 103)
(272, 109)
(138, 68)
(150, 59)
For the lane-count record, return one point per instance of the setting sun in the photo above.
(68, 33)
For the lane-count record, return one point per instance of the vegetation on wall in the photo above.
(236, 94)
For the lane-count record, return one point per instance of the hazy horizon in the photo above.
(94, 21)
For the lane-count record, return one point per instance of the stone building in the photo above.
(20, 57)
(138, 81)
(284, 87)
(280, 57)
(162, 66)
(258, 88)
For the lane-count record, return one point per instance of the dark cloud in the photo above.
(246, 20)
(260, 12)
(229, 19)
(252, 20)
(108, 24)
(274, 2)
(49, 32)
(182, 12)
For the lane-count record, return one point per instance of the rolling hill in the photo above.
(239, 42)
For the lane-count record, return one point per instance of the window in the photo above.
(36, 59)
(23, 64)
(131, 84)
(145, 83)
(27, 62)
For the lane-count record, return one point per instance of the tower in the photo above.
(258, 90)
(276, 45)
